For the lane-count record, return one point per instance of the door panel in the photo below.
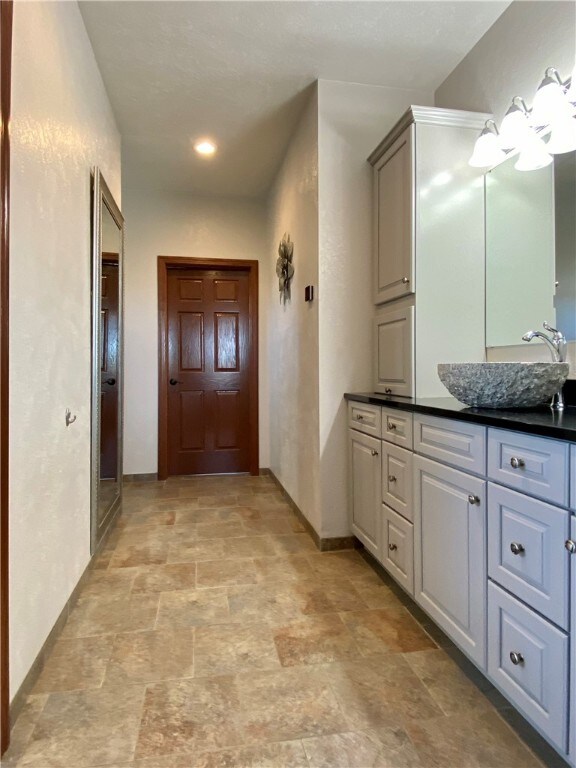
(394, 350)
(109, 371)
(208, 371)
(365, 489)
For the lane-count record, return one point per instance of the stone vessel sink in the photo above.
(503, 385)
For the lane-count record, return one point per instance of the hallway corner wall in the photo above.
(160, 223)
(293, 332)
(62, 125)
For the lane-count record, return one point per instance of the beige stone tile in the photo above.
(109, 583)
(146, 516)
(377, 595)
(292, 544)
(165, 578)
(287, 705)
(278, 525)
(289, 568)
(327, 596)
(286, 754)
(132, 555)
(390, 748)
(144, 657)
(143, 535)
(274, 604)
(454, 692)
(378, 693)
(228, 649)
(314, 640)
(86, 728)
(184, 550)
(347, 563)
(208, 516)
(193, 608)
(75, 664)
(103, 615)
(382, 630)
(249, 546)
(220, 530)
(218, 500)
(223, 573)
(22, 729)
(190, 716)
(471, 739)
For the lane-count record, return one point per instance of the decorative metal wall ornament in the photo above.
(284, 267)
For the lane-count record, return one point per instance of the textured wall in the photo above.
(293, 335)
(62, 125)
(353, 119)
(167, 224)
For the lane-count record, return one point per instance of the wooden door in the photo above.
(394, 350)
(394, 206)
(450, 553)
(208, 371)
(109, 370)
(365, 489)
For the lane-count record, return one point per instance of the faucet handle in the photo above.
(557, 334)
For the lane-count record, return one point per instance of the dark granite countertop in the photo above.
(534, 421)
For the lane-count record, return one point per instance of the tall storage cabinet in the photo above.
(428, 250)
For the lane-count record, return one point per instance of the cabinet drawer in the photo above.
(397, 479)
(538, 682)
(398, 548)
(365, 417)
(453, 442)
(526, 551)
(397, 427)
(531, 464)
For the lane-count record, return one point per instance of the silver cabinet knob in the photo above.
(570, 546)
(516, 549)
(392, 547)
(387, 391)
(516, 463)
(391, 478)
(405, 280)
(391, 426)
(516, 658)
(472, 499)
(374, 453)
(359, 417)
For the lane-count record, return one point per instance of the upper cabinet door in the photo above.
(394, 350)
(394, 272)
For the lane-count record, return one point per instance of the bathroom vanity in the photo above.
(473, 513)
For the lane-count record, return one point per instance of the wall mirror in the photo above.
(530, 253)
(107, 268)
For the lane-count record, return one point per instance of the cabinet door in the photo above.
(393, 221)
(365, 489)
(397, 554)
(394, 350)
(450, 553)
(572, 704)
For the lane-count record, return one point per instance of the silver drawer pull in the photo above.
(570, 546)
(517, 549)
(391, 426)
(473, 499)
(391, 478)
(516, 658)
(374, 453)
(516, 463)
(392, 547)
(359, 417)
(405, 280)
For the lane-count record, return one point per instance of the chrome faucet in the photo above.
(557, 345)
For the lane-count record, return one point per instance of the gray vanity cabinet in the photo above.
(450, 552)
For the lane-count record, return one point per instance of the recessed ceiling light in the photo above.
(205, 147)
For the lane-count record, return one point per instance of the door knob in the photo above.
(110, 381)
(391, 478)
(405, 280)
(570, 546)
(392, 547)
(374, 453)
(472, 499)
(173, 382)
(516, 658)
(392, 426)
(387, 391)
(517, 463)
(516, 549)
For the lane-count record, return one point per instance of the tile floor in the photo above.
(211, 633)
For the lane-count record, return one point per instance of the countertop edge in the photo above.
(492, 418)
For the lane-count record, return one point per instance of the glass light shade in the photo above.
(487, 151)
(572, 90)
(534, 155)
(514, 128)
(550, 103)
(562, 137)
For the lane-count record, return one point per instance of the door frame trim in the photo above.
(164, 264)
(6, 19)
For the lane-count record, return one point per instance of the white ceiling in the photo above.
(239, 72)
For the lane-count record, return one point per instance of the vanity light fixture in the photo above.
(205, 147)
(487, 150)
(522, 129)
